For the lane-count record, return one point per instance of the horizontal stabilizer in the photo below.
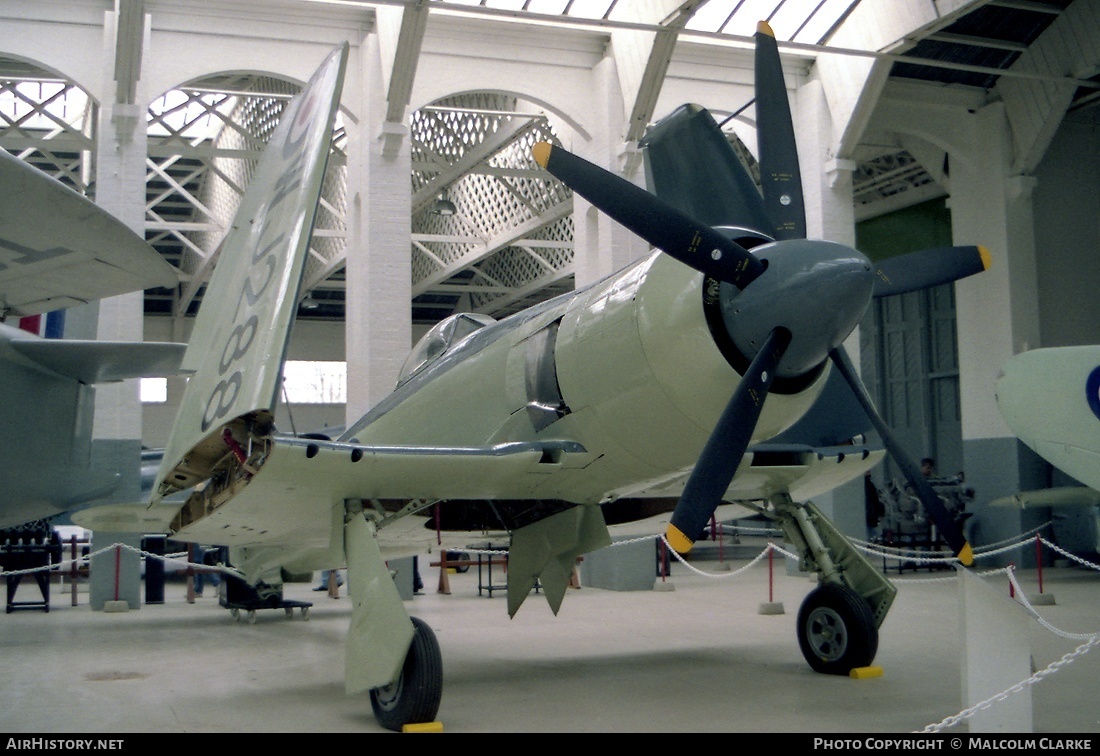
(103, 361)
(59, 249)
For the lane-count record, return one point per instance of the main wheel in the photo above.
(414, 697)
(836, 630)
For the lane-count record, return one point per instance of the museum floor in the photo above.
(698, 656)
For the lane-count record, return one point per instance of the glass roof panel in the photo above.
(806, 21)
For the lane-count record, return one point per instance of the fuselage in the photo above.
(629, 368)
(1050, 399)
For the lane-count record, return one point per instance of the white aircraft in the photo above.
(58, 249)
(1050, 399)
(649, 392)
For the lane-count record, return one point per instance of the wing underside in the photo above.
(59, 249)
(298, 486)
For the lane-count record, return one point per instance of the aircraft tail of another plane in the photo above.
(243, 326)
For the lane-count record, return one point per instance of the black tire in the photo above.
(836, 630)
(461, 556)
(414, 697)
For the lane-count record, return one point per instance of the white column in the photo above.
(600, 245)
(997, 314)
(379, 288)
(120, 189)
(997, 310)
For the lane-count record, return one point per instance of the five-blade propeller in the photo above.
(707, 250)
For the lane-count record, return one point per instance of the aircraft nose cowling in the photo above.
(816, 290)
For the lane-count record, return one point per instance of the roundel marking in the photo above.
(1092, 391)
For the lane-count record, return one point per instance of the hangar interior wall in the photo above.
(579, 82)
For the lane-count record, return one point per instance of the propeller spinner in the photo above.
(797, 299)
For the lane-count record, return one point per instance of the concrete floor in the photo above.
(700, 657)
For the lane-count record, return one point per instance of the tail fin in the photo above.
(241, 332)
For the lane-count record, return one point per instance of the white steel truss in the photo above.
(509, 241)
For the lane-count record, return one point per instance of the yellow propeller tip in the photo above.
(680, 543)
(966, 556)
(763, 27)
(541, 151)
(987, 260)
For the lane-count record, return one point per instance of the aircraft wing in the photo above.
(103, 361)
(134, 517)
(243, 326)
(303, 480)
(59, 249)
(1063, 496)
(303, 484)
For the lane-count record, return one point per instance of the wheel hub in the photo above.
(826, 632)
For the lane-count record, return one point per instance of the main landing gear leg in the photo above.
(838, 621)
(394, 656)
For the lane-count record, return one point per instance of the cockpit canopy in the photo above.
(442, 337)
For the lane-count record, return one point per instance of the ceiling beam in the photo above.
(400, 35)
(129, 45)
(642, 59)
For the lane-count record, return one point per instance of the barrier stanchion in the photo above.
(117, 605)
(1039, 560)
(771, 606)
(72, 566)
(1042, 599)
(190, 573)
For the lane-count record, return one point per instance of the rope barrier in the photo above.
(1090, 639)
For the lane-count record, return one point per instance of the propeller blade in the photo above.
(694, 244)
(935, 509)
(781, 180)
(928, 267)
(718, 462)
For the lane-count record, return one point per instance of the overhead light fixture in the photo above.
(444, 206)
